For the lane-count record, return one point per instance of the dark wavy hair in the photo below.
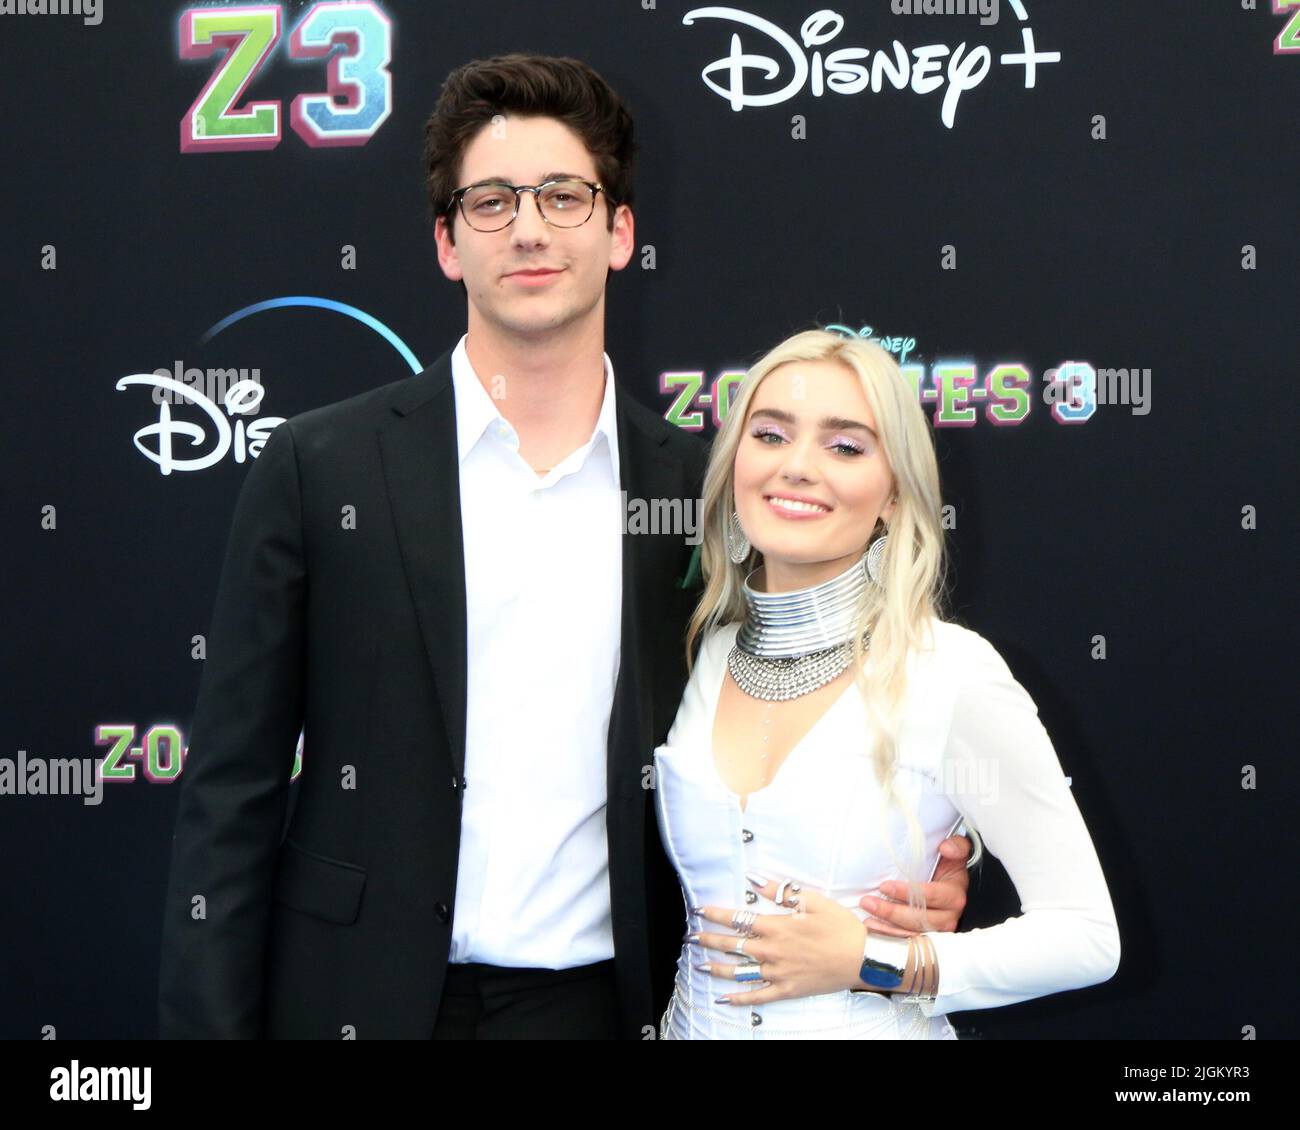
(528, 86)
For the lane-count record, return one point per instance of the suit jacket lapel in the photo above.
(422, 474)
(645, 472)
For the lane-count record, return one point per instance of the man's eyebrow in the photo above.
(829, 423)
(497, 177)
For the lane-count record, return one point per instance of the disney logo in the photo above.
(241, 399)
(843, 71)
(900, 345)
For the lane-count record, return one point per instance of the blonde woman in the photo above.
(834, 727)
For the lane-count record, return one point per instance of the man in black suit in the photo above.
(427, 579)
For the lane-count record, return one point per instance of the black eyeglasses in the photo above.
(565, 203)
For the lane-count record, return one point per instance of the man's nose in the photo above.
(529, 227)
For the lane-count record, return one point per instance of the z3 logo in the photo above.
(360, 94)
(1288, 41)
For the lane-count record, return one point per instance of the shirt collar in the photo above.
(476, 411)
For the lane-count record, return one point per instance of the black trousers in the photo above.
(494, 1002)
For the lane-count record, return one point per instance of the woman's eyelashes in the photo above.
(763, 430)
(842, 444)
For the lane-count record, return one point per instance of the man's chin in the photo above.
(534, 319)
(538, 325)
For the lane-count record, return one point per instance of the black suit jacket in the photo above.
(341, 610)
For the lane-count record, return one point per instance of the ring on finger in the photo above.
(749, 970)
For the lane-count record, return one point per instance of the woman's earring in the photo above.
(737, 542)
(875, 555)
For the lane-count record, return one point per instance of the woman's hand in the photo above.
(817, 949)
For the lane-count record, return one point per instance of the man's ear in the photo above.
(448, 258)
(623, 238)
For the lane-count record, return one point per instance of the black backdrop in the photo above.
(1165, 530)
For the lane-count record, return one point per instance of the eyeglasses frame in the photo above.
(458, 198)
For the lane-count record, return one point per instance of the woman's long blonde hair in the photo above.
(895, 614)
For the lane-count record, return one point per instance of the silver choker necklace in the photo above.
(793, 643)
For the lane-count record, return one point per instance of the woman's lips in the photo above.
(792, 509)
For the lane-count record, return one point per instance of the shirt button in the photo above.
(746, 835)
(443, 914)
(751, 897)
(755, 1020)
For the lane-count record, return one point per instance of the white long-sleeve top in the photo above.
(971, 746)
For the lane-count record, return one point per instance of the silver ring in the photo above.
(780, 892)
(748, 971)
(743, 921)
(740, 945)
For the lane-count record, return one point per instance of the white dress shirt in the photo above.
(543, 589)
(971, 745)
